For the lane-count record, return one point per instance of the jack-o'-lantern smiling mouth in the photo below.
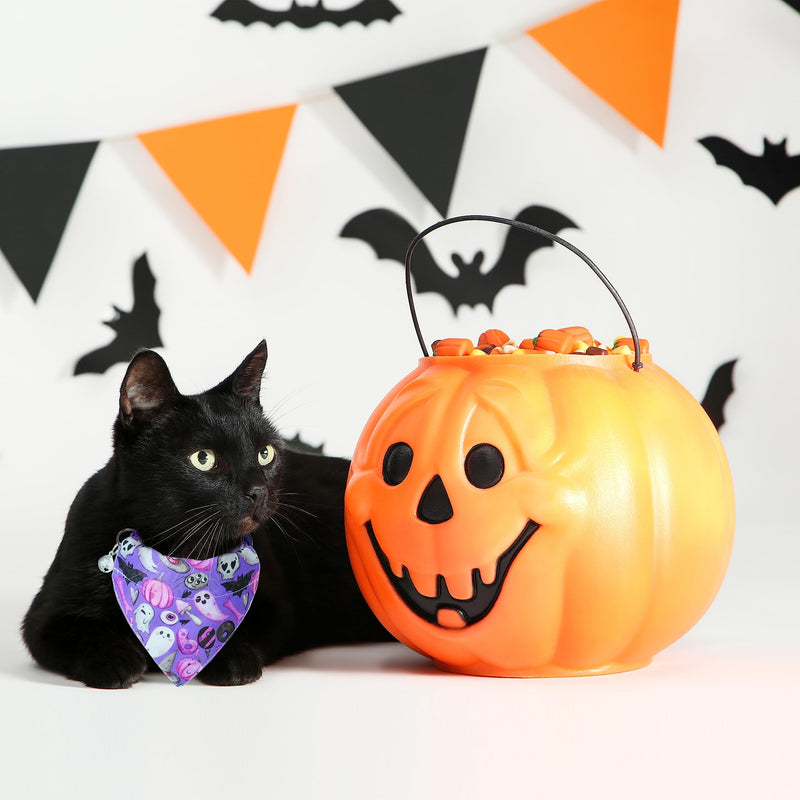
(443, 609)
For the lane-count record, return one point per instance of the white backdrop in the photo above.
(708, 267)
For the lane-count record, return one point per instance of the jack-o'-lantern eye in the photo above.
(484, 466)
(397, 463)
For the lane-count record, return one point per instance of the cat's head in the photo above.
(197, 472)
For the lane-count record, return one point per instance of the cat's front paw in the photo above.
(117, 667)
(88, 650)
(234, 665)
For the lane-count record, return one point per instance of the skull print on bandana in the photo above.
(181, 616)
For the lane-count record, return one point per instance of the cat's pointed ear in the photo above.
(246, 379)
(248, 375)
(147, 389)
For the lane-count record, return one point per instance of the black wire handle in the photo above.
(637, 359)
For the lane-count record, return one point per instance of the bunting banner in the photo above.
(226, 169)
(38, 189)
(622, 50)
(419, 115)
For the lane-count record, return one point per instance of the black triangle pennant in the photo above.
(38, 188)
(420, 115)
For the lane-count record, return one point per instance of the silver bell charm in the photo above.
(105, 563)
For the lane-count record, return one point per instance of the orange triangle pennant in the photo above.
(226, 169)
(622, 50)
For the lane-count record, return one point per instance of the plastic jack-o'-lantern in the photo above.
(535, 513)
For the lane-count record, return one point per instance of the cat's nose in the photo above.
(256, 494)
(258, 497)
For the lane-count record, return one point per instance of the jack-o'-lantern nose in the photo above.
(434, 505)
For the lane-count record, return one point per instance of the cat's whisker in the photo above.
(323, 543)
(283, 406)
(278, 515)
(215, 535)
(284, 505)
(210, 539)
(204, 530)
(192, 515)
(288, 511)
(210, 519)
(291, 540)
(192, 523)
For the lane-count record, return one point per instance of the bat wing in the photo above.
(720, 388)
(365, 12)
(238, 585)
(519, 245)
(98, 360)
(389, 235)
(772, 178)
(130, 572)
(298, 444)
(726, 154)
(145, 313)
(308, 16)
(246, 13)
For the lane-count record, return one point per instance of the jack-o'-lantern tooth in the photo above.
(396, 567)
(488, 572)
(460, 585)
(426, 584)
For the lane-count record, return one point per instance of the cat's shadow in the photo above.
(388, 658)
(375, 659)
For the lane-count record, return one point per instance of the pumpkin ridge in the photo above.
(617, 419)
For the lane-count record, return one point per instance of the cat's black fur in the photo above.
(293, 509)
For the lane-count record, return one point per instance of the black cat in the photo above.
(194, 475)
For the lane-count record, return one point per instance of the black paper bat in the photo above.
(389, 235)
(130, 572)
(720, 388)
(366, 11)
(134, 329)
(299, 446)
(774, 172)
(238, 585)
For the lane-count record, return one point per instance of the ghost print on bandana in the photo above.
(182, 610)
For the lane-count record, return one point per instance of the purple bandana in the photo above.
(182, 610)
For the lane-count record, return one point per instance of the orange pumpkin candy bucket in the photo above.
(498, 528)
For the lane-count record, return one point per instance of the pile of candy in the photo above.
(575, 340)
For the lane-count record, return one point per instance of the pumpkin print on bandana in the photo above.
(183, 611)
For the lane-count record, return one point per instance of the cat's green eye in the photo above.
(204, 460)
(266, 456)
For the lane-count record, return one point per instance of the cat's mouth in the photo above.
(258, 515)
(248, 524)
